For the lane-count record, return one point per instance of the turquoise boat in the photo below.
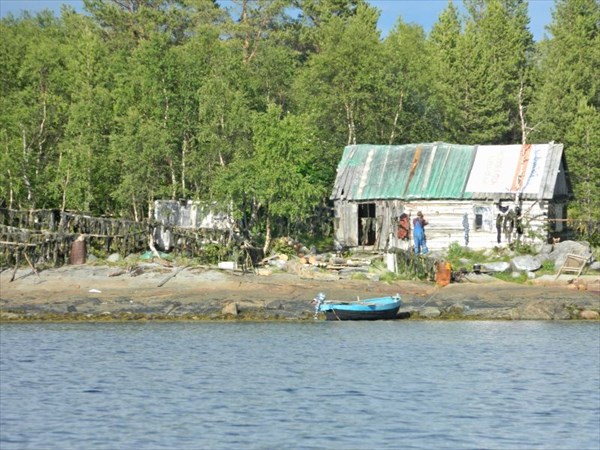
(383, 308)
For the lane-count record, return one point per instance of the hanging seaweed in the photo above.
(415, 266)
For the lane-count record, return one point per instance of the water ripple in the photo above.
(458, 385)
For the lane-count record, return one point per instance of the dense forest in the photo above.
(251, 105)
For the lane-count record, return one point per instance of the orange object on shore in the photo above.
(443, 273)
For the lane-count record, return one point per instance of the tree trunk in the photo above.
(396, 117)
(267, 235)
(135, 211)
(351, 125)
(184, 151)
(524, 130)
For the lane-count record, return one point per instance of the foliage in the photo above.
(521, 278)
(250, 106)
(456, 253)
(414, 267)
(283, 246)
(566, 107)
(213, 253)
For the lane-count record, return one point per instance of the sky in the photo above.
(422, 12)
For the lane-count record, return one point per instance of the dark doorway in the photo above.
(366, 224)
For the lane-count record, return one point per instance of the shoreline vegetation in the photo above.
(101, 292)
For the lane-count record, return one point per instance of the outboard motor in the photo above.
(318, 300)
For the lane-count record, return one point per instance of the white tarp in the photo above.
(508, 169)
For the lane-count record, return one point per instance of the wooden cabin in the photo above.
(464, 191)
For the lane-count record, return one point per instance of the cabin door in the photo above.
(366, 224)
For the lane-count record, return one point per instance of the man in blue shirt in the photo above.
(419, 234)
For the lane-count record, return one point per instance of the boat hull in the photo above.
(385, 308)
(341, 314)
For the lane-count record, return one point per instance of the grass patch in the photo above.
(508, 276)
(359, 276)
(456, 253)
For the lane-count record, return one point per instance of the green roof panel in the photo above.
(405, 172)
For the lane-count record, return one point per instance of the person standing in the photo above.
(499, 224)
(419, 234)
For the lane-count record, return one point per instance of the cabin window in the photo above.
(366, 224)
(478, 221)
(483, 218)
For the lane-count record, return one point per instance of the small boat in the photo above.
(384, 308)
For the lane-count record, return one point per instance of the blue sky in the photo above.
(422, 12)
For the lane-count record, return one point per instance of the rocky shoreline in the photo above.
(156, 292)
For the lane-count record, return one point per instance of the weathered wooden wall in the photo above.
(46, 236)
(449, 221)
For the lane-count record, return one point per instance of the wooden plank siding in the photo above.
(445, 226)
(449, 183)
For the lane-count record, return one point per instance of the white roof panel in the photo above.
(508, 169)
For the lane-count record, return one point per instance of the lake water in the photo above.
(338, 385)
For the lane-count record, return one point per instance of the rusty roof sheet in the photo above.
(446, 171)
(412, 171)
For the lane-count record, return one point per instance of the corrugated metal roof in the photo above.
(504, 170)
(446, 171)
(412, 171)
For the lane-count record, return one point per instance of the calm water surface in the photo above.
(349, 385)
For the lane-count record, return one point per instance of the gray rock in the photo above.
(589, 315)
(595, 266)
(91, 258)
(562, 249)
(531, 275)
(278, 264)
(457, 308)
(515, 274)
(350, 271)
(541, 310)
(115, 257)
(430, 312)
(373, 276)
(116, 272)
(10, 316)
(581, 248)
(230, 309)
(501, 266)
(526, 263)
(543, 257)
(479, 278)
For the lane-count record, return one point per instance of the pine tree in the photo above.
(492, 59)
(567, 102)
(443, 41)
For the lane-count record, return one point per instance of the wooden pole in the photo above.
(173, 275)
(17, 258)
(31, 264)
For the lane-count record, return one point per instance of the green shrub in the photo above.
(282, 246)
(213, 253)
(456, 252)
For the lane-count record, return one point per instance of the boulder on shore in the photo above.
(562, 249)
(500, 266)
(527, 263)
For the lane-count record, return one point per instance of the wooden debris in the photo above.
(31, 264)
(173, 275)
